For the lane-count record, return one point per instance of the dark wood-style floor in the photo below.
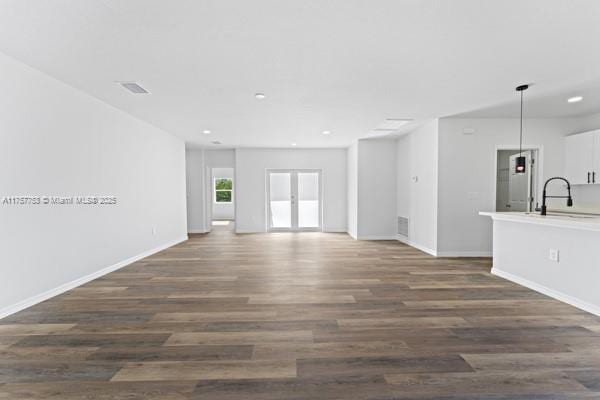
(300, 316)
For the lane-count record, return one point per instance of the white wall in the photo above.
(352, 188)
(403, 176)
(423, 184)
(195, 182)
(377, 189)
(521, 255)
(467, 174)
(219, 158)
(251, 166)
(224, 211)
(199, 164)
(58, 141)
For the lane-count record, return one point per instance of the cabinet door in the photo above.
(596, 158)
(579, 157)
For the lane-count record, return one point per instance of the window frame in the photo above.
(215, 190)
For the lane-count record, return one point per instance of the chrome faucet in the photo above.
(544, 196)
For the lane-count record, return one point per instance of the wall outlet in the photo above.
(153, 230)
(553, 255)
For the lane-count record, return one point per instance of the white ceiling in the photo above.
(551, 104)
(338, 65)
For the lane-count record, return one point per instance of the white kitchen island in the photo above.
(557, 254)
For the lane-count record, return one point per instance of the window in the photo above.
(223, 190)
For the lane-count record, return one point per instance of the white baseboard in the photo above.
(575, 302)
(464, 253)
(197, 231)
(376, 237)
(405, 240)
(335, 230)
(6, 311)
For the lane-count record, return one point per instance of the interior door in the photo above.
(519, 185)
(294, 200)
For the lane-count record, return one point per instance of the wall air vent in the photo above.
(134, 88)
(215, 142)
(403, 226)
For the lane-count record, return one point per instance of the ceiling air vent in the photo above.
(389, 126)
(134, 87)
(215, 142)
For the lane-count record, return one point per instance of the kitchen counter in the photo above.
(565, 220)
(557, 254)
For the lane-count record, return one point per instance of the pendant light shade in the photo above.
(521, 162)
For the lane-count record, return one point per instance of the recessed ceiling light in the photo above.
(134, 87)
(326, 132)
(574, 99)
(260, 96)
(294, 144)
(206, 132)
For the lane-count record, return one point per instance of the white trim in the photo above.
(464, 253)
(405, 240)
(575, 302)
(6, 311)
(197, 231)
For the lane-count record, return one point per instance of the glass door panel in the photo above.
(280, 200)
(308, 200)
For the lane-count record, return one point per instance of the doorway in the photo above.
(293, 200)
(516, 192)
(220, 199)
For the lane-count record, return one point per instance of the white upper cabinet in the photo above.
(583, 158)
(596, 171)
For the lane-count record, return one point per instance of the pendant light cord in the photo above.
(521, 130)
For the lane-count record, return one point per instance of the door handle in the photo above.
(588, 177)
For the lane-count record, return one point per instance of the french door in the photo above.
(294, 200)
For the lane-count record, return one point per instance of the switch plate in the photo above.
(153, 230)
(553, 255)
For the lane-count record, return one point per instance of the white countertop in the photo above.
(572, 221)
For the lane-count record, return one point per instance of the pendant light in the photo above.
(520, 165)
